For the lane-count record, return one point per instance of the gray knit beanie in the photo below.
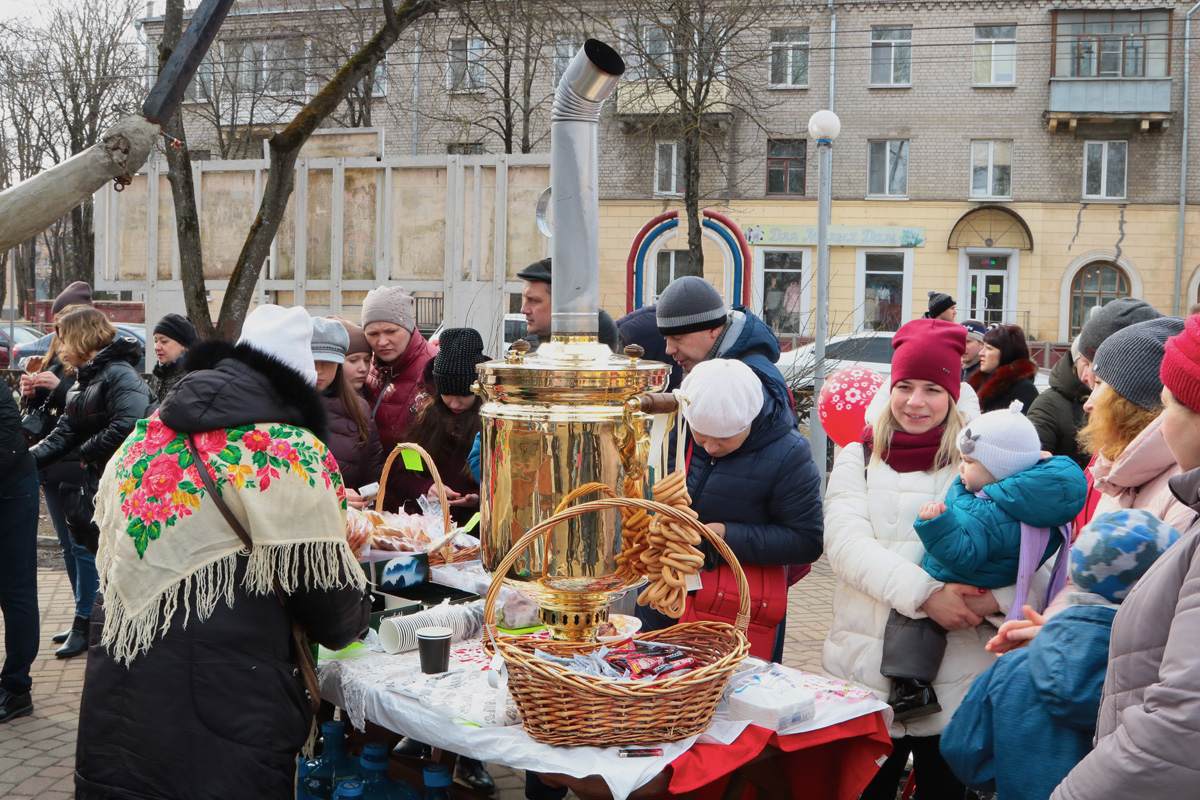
(1129, 361)
(1110, 318)
(389, 304)
(689, 304)
(330, 341)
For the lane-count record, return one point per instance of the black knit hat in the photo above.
(177, 327)
(689, 304)
(78, 293)
(459, 351)
(939, 303)
(537, 271)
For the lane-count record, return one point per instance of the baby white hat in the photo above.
(284, 334)
(721, 397)
(1004, 441)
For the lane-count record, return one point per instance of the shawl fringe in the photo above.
(317, 565)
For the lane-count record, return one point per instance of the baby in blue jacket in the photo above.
(1031, 717)
(1007, 499)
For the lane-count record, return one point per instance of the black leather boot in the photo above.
(59, 638)
(14, 705)
(76, 642)
(412, 748)
(912, 699)
(474, 773)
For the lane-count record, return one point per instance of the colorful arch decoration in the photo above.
(717, 228)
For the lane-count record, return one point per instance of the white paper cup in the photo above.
(397, 635)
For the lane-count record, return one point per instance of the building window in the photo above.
(672, 264)
(465, 149)
(995, 55)
(466, 65)
(883, 291)
(564, 51)
(1095, 285)
(1104, 169)
(1112, 44)
(785, 166)
(784, 288)
(887, 168)
(669, 174)
(789, 57)
(266, 67)
(991, 169)
(891, 55)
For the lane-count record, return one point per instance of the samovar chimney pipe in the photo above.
(575, 190)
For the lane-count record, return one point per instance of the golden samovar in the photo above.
(559, 418)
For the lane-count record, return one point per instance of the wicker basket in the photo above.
(446, 555)
(563, 707)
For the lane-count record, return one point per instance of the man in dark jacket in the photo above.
(1058, 413)
(753, 481)
(18, 563)
(535, 305)
(194, 687)
(970, 358)
(641, 328)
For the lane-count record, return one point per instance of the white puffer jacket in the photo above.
(876, 556)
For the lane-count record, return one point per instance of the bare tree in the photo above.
(695, 72)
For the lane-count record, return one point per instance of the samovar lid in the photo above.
(576, 372)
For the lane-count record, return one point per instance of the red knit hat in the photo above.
(930, 350)
(1181, 364)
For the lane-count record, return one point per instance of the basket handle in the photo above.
(741, 621)
(448, 552)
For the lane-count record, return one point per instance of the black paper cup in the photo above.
(433, 644)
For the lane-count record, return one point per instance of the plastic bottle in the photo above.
(349, 790)
(302, 771)
(437, 782)
(333, 766)
(376, 783)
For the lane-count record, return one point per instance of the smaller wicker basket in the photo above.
(563, 707)
(446, 555)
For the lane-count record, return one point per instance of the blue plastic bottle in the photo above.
(333, 767)
(437, 782)
(302, 771)
(349, 790)
(376, 783)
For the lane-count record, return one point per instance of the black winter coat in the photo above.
(15, 462)
(1012, 381)
(68, 467)
(101, 410)
(359, 464)
(1058, 413)
(217, 709)
(164, 377)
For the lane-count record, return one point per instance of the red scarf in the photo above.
(909, 452)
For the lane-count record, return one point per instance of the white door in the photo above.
(986, 294)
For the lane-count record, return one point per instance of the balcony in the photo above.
(1144, 101)
(642, 103)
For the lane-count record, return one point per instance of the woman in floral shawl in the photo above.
(193, 686)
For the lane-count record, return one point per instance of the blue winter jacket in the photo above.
(1030, 718)
(767, 492)
(978, 541)
(752, 342)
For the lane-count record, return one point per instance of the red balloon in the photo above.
(843, 402)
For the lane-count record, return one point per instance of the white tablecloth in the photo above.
(359, 686)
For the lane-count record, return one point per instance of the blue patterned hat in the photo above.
(1115, 549)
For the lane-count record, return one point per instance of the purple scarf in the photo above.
(1033, 543)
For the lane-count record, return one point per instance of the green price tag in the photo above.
(412, 460)
(473, 523)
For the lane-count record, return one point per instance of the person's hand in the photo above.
(947, 607)
(931, 510)
(981, 601)
(462, 499)
(355, 500)
(46, 380)
(717, 527)
(1016, 632)
(27, 385)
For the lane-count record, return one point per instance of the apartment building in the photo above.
(1025, 156)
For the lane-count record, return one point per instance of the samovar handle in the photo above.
(656, 402)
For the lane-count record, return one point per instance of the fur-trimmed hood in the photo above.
(999, 383)
(229, 385)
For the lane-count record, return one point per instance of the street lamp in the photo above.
(824, 126)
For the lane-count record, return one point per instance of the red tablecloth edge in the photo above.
(705, 762)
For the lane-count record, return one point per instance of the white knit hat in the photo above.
(284, 334)
(1004, 441)
(721, 397)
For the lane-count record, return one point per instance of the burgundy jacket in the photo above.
(392, 388)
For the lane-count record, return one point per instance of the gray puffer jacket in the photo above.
(1148, 731)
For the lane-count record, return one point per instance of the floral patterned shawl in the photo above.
(161, 542)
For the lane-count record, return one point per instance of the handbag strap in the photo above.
(308, 667)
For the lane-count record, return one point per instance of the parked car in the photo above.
(514, 329)
(20, 335)
(870, 349)
(41, 345)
